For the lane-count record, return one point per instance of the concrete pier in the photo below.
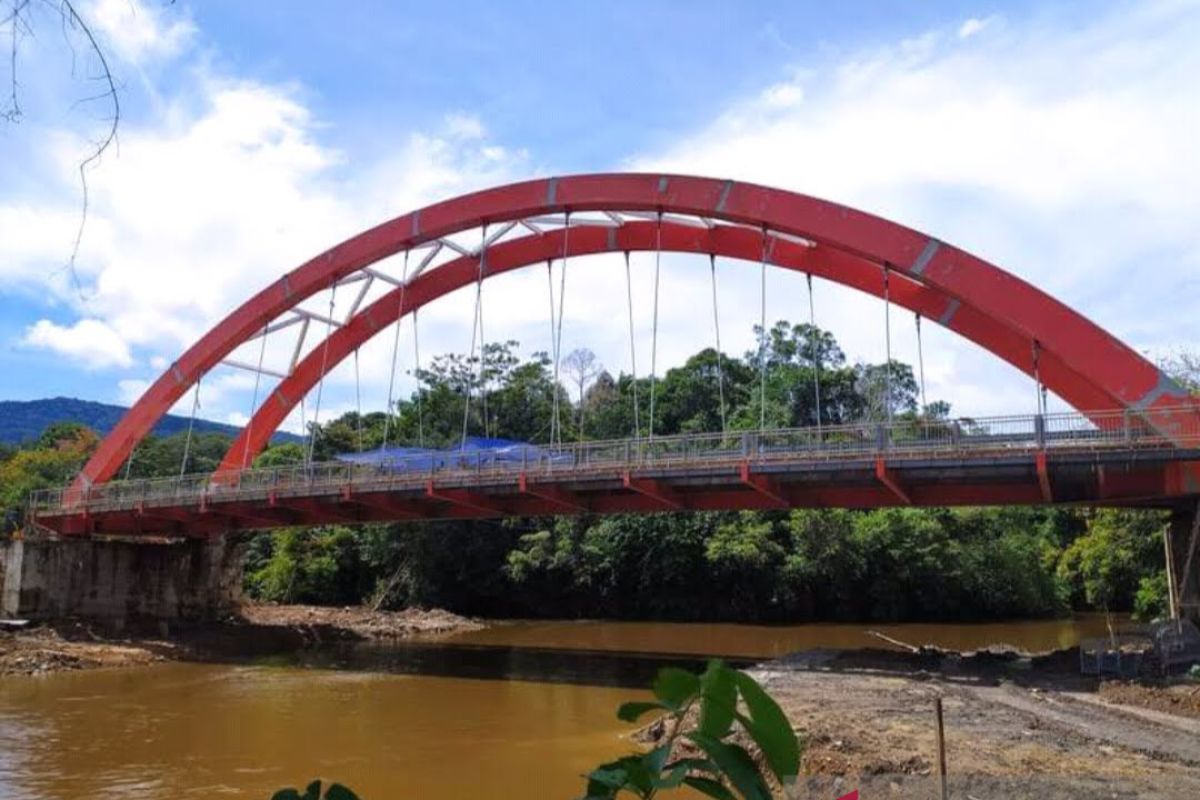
(1187, 562)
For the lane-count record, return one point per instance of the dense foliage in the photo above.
(766, 566)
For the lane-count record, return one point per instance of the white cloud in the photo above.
(1066, 155)
(783, 95)
(973, 26)
(205, 204)
(139, 32)
(131, 389)
(91, 342)
(464, 126)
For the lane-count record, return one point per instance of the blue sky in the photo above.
(1054, 139)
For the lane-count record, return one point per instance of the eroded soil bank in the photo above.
(254, 630)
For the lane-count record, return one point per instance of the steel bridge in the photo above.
(1135, 441)
(1109, 458)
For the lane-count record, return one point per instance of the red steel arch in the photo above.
(1103, 374)
(727, 241)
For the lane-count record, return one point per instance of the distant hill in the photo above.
(23, 420)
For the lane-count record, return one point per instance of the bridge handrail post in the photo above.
(1039, 430)
(881, 437)
(1127, 425)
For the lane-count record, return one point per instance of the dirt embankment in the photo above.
(255, 630)
(1015, 727)
(45, 649)
(361, 622)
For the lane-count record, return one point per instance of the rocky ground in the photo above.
(47, 649)
(254, 630)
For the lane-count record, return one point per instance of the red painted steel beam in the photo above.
(732, 242)
(1106, 364)
(659, 492)
(391, 506)
(312, 511)
(1136, 484)
(1043, 474)
(472, 501)
(889, 479)
(555, 495)
(767, 487)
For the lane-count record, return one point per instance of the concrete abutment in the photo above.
(45, 578)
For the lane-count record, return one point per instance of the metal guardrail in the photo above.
(911, 438)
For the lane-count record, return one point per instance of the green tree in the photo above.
(1102, 568)
(309, 565)
(58, 456)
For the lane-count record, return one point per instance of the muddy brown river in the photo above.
(516, 710)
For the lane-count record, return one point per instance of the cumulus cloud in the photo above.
(225, 188)
(90, 342)
(973, 26)
(138, 32)
(1064, 154)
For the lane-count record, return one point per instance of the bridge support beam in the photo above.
(765, 486)
(1043, 473)
(474, 502)
(889, 479)
(1185, 553)
(561, 498)
(657, 491)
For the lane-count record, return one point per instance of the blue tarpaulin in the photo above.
(477, 451)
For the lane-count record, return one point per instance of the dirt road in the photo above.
(1043, 735)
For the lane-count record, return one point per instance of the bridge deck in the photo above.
(1064, 458)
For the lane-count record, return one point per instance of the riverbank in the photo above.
(254, 630)
(1015, 726)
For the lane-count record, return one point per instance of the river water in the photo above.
(516, 710)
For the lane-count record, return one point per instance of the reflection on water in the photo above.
(193, 730)
(772, 641)
(518, 710)
(498, 662)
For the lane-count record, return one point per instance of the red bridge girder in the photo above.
(1079, 361)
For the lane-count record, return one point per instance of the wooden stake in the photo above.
(1169, 557)
(897, 642)
(941, 745)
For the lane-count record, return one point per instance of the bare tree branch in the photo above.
(71, 15)
(18, 17)
(12, 112)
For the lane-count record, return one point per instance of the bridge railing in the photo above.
(902, 438)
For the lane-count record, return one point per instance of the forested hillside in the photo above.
(24, 420)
